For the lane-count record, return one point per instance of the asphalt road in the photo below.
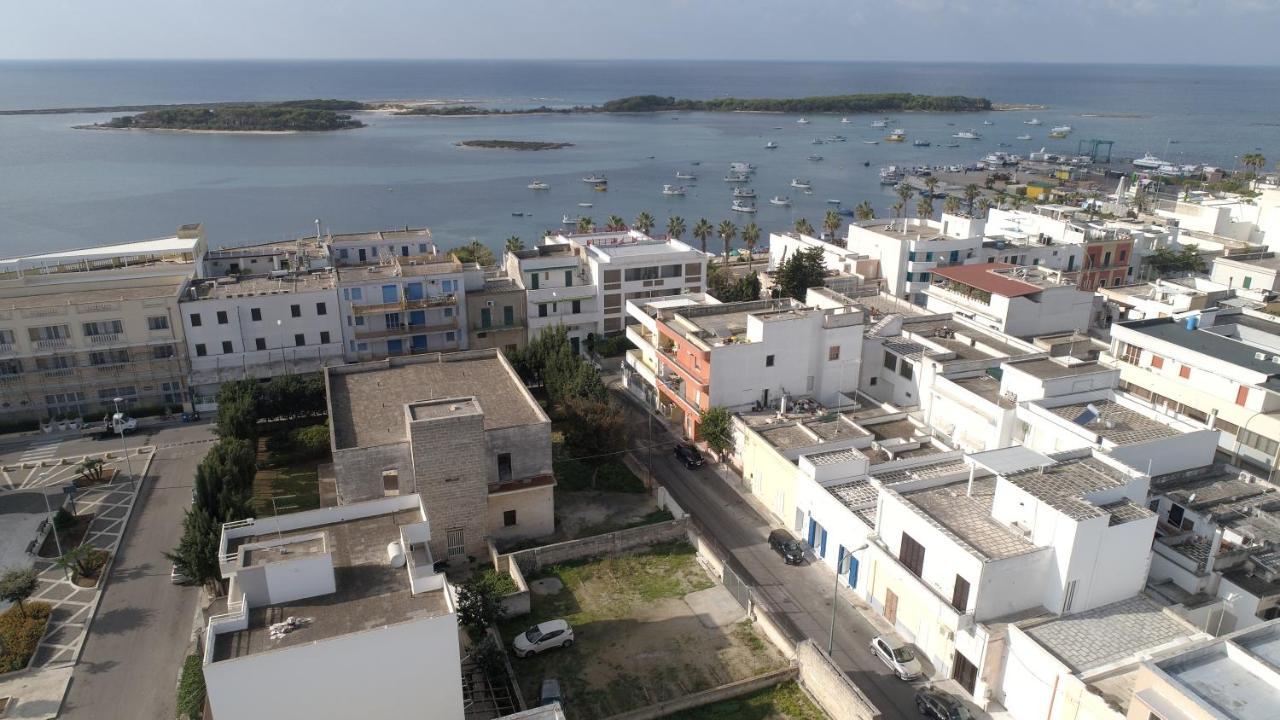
(137, 641)
(802, 592)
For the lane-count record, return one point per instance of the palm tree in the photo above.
(864, 211)
(831, 222)
(930, 183)
(703, 230)
(983, 205)
(750, 236)
(803, 227)
(615, 222)
(971, 193)
(727, 231)
(644, 222)
(1253, 161)
(515, 244)
(675, 226)
(951, 205)
(904, 191)
(586, 224)
(1016, 200)
(897, 209)
(924, 208)
(1001, 197)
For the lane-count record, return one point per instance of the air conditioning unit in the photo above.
(488, 303)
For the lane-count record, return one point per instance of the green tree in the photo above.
(515, 244)
(77, 560)
(614, 222)
(475, 252)
(971, 193)
(18, 584)
(91, 470)
(595, 429)
(586, 224)
(237, 417)
(803, 270)
(727, 232)
(930, 183)
(750, 236)
(831, 223)
(675, 227)
(644, 222)
(864, 211)
(703, 230)
(903, 190)
(983, 206)
(951, 205)
(480, 602)
(716, 429)
(897, 209)
(1253, 161)
(196, 556)
(803, 227)
(924, 208)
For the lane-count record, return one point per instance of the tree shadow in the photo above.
(118, 622)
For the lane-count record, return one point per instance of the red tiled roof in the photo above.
(982, 277)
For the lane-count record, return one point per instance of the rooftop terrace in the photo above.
(1127, 629)
(1065, 486)
(967, 517)
(262, 285)
(1237, 676)
(1117, 423)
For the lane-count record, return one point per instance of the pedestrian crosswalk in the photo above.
(36, 453)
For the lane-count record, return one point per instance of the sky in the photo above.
(1229, 32)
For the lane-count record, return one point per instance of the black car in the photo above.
(689, 455)
(782, 543)
(941, 706)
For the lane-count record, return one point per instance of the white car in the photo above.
(547, 635)
(176, 577)
(894, 653)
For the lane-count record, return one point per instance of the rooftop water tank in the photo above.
(395, 554)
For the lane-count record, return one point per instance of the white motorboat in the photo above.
(870, 142)
(779, 200)
(1061, 130)
(594, 179)
(744, 192)
(736, 178)
(967, 135)
(920, 143)
(898, 135)
(681, 175)
(801, 184)
(880, 123)
(742, 207)
(832, 201)
(815, 158)
(1024, 137)
(802, 121)
(568, 220)
(987, 122)
(584, 204)
(771, 145)
(997, 159)
(742, 168)
(844, 121)
(890, 175)
(539, 185)
(1149, 161)
(1032, 121)
(672, 189)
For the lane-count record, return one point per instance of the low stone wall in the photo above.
(706, 697)
(516, 603)
(838, 696)
(614, 543)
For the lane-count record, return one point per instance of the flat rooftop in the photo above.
(1109, 634)
(1215, 488)
(985, 387)
(967, 517)
(436, 265)
(1117, 423)
(399, 234)
(1238, 675)
(967, 342)
(1210, 344)
(158, 247)
(1050, 369)
(1065, 485)
(1270, 261)
(366, 400)
(370, 593)
(262, 285)
(916, 230)
(63, 290)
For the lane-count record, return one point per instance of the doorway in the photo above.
(964, 672)
(891, 607)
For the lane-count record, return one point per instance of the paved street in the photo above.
(803, 592)
(130, 662)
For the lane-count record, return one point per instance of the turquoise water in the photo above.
(61, 187)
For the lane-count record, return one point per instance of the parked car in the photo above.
(940, 706)
(689, 455)
(545, 636)
(789, 548)
(551, 692)
(895, 653)
(176, 577)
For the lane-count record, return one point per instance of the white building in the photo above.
(238, 326)
(405, 305)
(1164, 297)
(333, 613)
(1017, 301)
(910, 249)
(1254, 271)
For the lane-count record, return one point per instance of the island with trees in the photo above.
(846, 104)
(514, 144)
(288, 116)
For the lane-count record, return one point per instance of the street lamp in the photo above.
(842, 567)
(48, 510)
(124, 443)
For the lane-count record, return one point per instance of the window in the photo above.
(872, 381)
(454, 542)
(504, 467)
(448, 285)
(222, 317)
(295, 310)
(103, 327)
(768, 361)
(577, 307)
(195, 320)
(1184, 372)
(109, 357)
(833, 352)
(324, 337)
(905, 370)
(911, 555)
(1130, 353)
(158, 322)
(1120, 257)
(1265, 445)
(260, 343)
(299, 339)
(508, 518)
(508, 315)
(448, 312)
(162, 352)
(1069, 598)
(357, 293)
(891, 361)
(321, 309)
(1176, 513)
(1157, 361)
(542, 309)
(1242, 395)
(227, 348)
(201, 351)
(390, 483)
(255, 314)
(960, 594)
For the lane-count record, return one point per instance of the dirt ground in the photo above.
(637, 641)
(584, 513)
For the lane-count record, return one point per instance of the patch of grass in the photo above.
(505, 584)
(649, 518)
(20, 633)
(287, 467)
(747, 636)
(191, 688)
(785, 701)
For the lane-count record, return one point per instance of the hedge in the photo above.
(20, 634)
(191, 688)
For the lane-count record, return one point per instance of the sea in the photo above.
(62, 188)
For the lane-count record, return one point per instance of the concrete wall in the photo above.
(285, 581)
(359, 471)
(535, 513)
(528, 445)
(720, 693)
(838, 696)
(612, 543)
(393, 671)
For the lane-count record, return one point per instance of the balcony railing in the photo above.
(404, 304)
(52, 344)
(104, 339)
(58, 372)
(6, 349)
(516, 324)
(400, 330)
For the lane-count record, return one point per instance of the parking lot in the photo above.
(648, 627)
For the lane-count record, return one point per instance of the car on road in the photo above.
(544, 636)
(689, 455)
(551, 692)
(940, 706)
(176, 577)
(895, 653)
(789, 548)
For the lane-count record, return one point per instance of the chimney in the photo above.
(1214, 548)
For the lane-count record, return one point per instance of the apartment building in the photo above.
(559, 290)
(1107, 251)
(496, 314)
(1164, 297)
(333, 613)
(838, 259)
(1017, 301)
(1252, 271)
(239, 326)
(911, 249)
(1217, 368)
(404, 305)
(79, 328)
(460, 430)
(755, 353)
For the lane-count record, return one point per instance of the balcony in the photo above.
(665, 389)
(401, 305)
(400, 330)
(6, 349)
(562, 294)
(58, 372)
(516, 324)
(52, 344)
(670, 360)
(636, 360)
(640, 337)
(104, 339)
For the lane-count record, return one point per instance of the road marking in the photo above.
(39, 452)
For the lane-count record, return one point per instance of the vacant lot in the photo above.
(288, 470)
(637, 639)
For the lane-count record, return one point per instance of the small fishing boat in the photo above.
(584, 204)
(832, 201)
(802, 121)
(815, 158)
(920, 143)
(595, 179)
(539, 185)
(743, 192)
(736, 178)
(569, 220)
(771, 145)
(870, 142)
(1024, 136)
(681, 175)
(844, 121)
(742, 207)
(801, 184)
(898, 135)
(673, 190)
(780, 200)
